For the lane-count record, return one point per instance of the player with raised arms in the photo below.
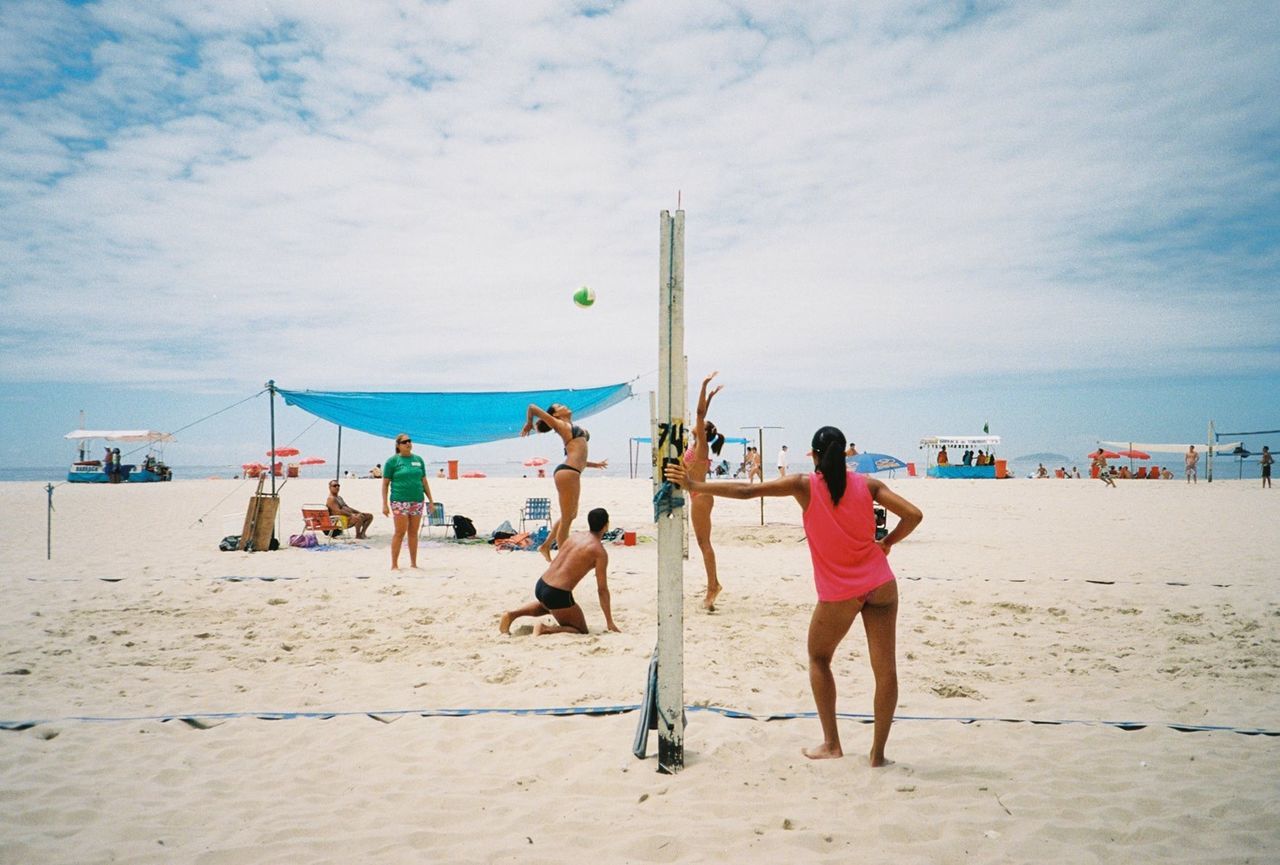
(567, 475)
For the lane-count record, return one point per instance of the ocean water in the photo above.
(1224, 466)
(511, 469)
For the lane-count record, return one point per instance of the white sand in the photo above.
(999, 620)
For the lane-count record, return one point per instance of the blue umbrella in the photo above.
(870, 463)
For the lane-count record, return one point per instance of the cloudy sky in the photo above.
(904, 218)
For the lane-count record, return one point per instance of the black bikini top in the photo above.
(576, 432)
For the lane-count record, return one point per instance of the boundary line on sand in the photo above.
(207, 720)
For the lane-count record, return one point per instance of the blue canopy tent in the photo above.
(636, 441)
(447, 419)
(444, 419)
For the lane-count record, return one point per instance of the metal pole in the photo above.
(760, 455)
(271, 458)
(337, 469)
(669, 436)
(48, 535)
(1208, 469)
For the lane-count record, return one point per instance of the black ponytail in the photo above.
(829, 446)
(715, 440)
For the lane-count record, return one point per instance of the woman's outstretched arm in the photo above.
(535, 412)
(700, 422)
(796, 486)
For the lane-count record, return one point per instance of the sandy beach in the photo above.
(1135, 613)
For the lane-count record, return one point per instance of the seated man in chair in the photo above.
(339, 508)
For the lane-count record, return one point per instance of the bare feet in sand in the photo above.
(545, 549)
(878, 761)
(823, 752)
(504, 624)
(709, 602)
(538, 628)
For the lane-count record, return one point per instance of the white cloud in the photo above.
(1037, 189)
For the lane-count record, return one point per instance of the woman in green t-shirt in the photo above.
(404, 485)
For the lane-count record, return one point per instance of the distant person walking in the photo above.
(1192, 460)
(1267, 460)
(850, 570)
(1104, 473)
(782, 462)
(404, 486)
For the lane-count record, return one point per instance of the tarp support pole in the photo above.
(48, 534)
(337, 469)
(1208, 469)
(669, 438)
(271, 457)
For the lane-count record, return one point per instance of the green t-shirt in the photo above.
(406, 474)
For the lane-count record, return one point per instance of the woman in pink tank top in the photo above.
(850, 571)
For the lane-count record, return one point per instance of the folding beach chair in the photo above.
(435, 517)
(317, 519)
(535, 510)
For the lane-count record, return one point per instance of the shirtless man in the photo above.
(339, 508)
(1104, 473)
(554, 590)
(1192, 459)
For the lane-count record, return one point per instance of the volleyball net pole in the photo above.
(669, 438)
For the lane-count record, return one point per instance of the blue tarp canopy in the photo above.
(447, 419)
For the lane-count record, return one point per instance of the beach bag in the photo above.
(303, 540)
(463, 527)
(229, 543)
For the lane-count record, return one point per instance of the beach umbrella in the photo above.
(284, 452)
(536, 461)
(871, 463)
(1109, 455)
(1134, 455)
(311, 461)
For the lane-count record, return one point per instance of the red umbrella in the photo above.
(284, 452)
(1134, 455)
(536, 461)
(311, 461)
(1110, 455)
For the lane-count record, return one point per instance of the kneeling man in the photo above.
(554, 590)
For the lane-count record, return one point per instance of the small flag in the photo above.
(986, 428)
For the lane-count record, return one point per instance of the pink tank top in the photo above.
(847, 562)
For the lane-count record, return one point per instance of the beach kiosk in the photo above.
(955, 446)
(101, 471)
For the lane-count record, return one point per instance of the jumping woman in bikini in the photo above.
(851, 572)
(568, 475)
(697, 461)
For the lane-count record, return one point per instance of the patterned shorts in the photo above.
(409, 509)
